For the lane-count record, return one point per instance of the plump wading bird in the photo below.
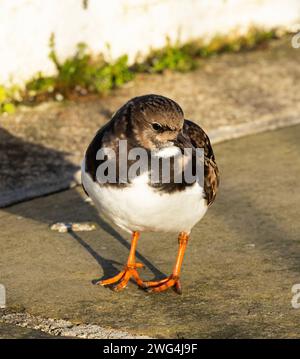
(157, 125)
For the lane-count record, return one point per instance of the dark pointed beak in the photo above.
(182, 141)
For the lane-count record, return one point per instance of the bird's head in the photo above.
(156, 121)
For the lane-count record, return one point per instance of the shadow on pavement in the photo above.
(28, 170)
(25, 168)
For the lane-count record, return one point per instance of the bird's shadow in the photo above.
(109, 265)
(27, 159)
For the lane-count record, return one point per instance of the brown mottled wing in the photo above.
(117, 128)
(211, 173)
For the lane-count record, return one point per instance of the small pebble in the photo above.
(59, 97)
(250, 245)
(63, 227)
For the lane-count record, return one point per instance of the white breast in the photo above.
(138, 207)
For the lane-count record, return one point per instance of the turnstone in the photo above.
(157, 125)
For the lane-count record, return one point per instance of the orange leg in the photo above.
(122, 278)
(173, 280)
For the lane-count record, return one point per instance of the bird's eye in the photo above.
(157, 127)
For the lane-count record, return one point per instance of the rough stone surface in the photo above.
(240, 265)
(41, 149)
(11, 324)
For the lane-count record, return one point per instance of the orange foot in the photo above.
(121, 280)
(173, 280)
(164, 284)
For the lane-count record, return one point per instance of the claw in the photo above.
(178, 287)
(112, 280)
(164, 284)
(121, 280)
(156, 283)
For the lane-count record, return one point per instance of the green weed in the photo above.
(83, 73)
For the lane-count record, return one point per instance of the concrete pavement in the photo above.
(240, 265)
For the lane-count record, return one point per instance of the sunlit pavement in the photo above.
(240, 266)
